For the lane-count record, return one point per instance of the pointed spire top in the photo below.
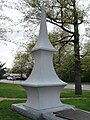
(43, 42)
(42, 4)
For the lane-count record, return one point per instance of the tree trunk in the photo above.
(78, 88)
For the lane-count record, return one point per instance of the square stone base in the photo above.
(43, 114)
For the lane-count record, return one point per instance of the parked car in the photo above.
(6, 75)
(10, 78)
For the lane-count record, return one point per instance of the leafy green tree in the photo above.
(66, 69)
(20, 63)
(23, 61)
(2, 70)
(85, 68)
(85, 63)
(63, 59)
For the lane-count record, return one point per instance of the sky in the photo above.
(8, 50)
(6, 54)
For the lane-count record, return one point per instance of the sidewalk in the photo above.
(2, 98)
(11, 81)
(84, 86)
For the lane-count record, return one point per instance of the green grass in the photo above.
(7, 114)
(16, 91)
(82, 102)
(69, 93)
(78, 103)
(12, 91)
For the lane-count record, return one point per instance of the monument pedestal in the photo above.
(64, 112)
(43, 114)
(43, 97)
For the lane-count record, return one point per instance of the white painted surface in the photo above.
(43, 41)
(43, 97)
(43, 86)
(43, 73)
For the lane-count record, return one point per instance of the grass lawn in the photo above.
(78, 103)
(82, 102)
(69, 93)
(16, 91)
(7, 114)
(11, 91)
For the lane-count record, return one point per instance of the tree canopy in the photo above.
(2, 70)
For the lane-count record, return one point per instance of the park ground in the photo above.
(11, 93)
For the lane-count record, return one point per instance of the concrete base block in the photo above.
(43, 114)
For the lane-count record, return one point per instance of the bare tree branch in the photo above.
(66, 43)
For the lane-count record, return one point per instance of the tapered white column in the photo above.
(43, 86)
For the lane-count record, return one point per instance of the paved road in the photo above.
(84, 86)
(11, 81)
(70, 86)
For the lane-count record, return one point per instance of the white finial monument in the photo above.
(43, 86)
